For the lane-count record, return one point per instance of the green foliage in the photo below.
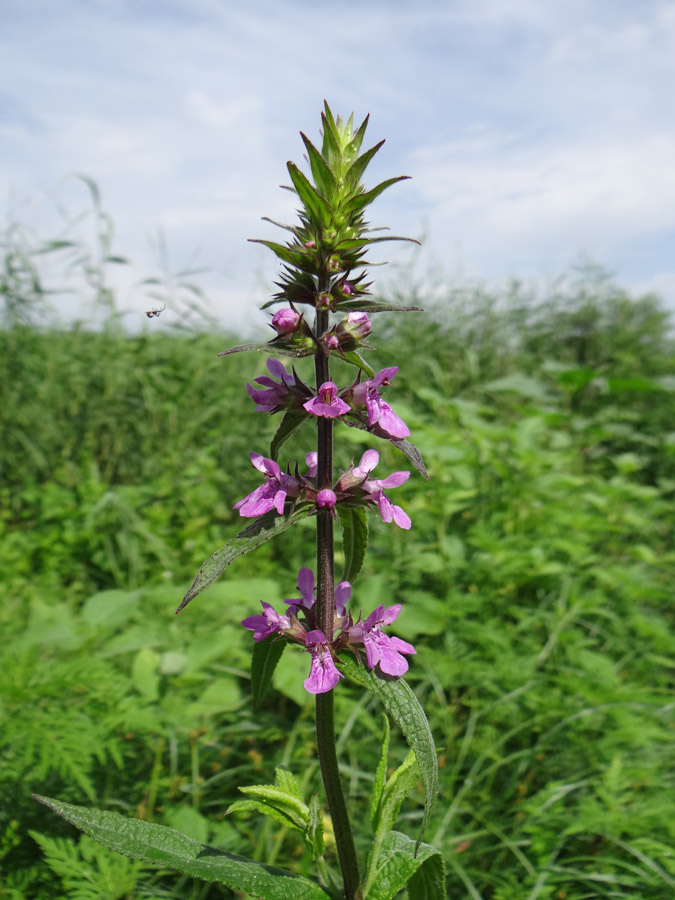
(163, 846)
(536, 584)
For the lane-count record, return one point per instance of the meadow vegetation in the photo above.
(537, 578)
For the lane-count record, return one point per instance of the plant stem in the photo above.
(325, 598)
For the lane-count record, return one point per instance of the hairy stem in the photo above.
(325, 598)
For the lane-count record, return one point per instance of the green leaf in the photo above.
(258, 532)
(331, 141)
(355, 359)
(289, 804)
(402, 863)
(363, 200)
(287, 782)
(355, 145)
(289, 424)
(165, 847)
(324, 178)
(380, 777)
(354, 540)
(317, 208)
(271, 348)
(410, 450)
(314, 829)
(359, 166)
(406, 447)
(293, 257)
(362, 305)
(281, 816)
(356, 243)
(266, 654)
(397, 788)
(404, 708)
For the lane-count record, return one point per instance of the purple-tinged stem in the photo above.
(325, 598)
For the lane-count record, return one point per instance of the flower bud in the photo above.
(356, 327)
(330, 341)
(326, 499)
(286, 321)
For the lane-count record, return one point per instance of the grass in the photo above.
(537, 584)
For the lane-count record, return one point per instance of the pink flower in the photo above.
(380, 648)
(306, 599)
(323, 673)
(270, 622)
(343, 591)
(285, 321)
(356, 481)
(312, 461)
(367, 394)
(277, 393)
(326, 499)
(327, 404)
(272, 494)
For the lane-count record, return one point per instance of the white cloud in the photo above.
(533, 130)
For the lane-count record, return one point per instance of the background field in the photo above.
(537, 584)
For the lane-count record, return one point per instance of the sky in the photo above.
(536, 134)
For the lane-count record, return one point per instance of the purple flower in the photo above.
(306, 600)
(326, 499)
(327, 404)
(358, 478)
(323, 673)
(306, 587)
(285, 321)
(275, 397)
(312, 461)
(367, 394)
(343, 592)
(380, 648)
(272, 494)
(270, 622)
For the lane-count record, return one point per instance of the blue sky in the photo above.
(535, 132)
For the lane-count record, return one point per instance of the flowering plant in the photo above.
(324, 273)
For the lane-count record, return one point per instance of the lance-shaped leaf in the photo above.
(323, 177)
(354, 539)
(363, 200)
(355, 243)
(400, 863)
(355, 145)
(314, 830)
(380, 777)
(359, 166)
(289, 424)
(170, 849)
(355, 359)
(363, 305)
(294, 257)
(275, 349)
(317, 208)
(255, 534)
(331, 143)
(275, 798)
(266, 654)
(406, 447)
(404, 708)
